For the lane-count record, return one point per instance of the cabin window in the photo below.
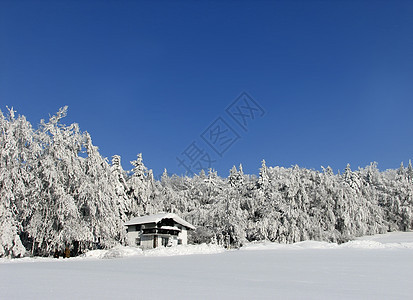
(165, 241)
(179, 242)
(138, 241)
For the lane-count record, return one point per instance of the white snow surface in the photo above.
(392, 240)
(373, 267)
(122, 251)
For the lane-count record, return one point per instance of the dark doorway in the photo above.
(155, 241)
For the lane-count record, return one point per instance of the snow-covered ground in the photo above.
(375, 267)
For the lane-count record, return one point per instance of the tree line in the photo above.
(57, 190)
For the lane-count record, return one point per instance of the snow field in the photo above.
(377, 267)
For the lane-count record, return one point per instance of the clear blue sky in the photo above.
(335, 78)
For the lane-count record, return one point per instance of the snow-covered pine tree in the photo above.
(410, 170)
(141, 187)
(121, 186)
(263, 179)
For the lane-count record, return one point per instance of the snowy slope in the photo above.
(377, 267)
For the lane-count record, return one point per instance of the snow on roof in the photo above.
(170, 228)
(157, 218)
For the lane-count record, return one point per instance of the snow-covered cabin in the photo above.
(163, 229)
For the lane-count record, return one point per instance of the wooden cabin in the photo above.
(163, 229)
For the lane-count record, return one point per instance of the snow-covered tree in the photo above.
(17, 150)
(141, 187)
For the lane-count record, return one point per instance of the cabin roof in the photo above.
(157, 218)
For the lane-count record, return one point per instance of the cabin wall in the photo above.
(183, 235)
(133, 236)
(147, 241)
